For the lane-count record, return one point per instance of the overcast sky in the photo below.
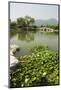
(38, 11)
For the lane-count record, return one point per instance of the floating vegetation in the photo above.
(38, 69)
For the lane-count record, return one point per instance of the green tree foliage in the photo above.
(21, 22)
(13, 25)
(55, 27)
(13, 28)
(25, 22)
(29, 20)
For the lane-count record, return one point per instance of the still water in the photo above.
(27, 40)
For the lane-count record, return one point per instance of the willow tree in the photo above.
(29, 21)
(26, 22)
(21, 22)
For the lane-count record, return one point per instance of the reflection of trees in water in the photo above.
(26, 35)
(13, 32)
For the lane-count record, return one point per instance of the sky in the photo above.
(37, 11)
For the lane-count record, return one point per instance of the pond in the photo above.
(28, 39)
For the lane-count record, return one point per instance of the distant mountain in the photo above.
(46, 22)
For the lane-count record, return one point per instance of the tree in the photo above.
(13, 25)
(21, 22)
(26, 22)
(29, 20)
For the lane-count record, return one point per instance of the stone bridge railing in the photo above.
(47, 29)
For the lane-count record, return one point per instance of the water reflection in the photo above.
(25, 36)
(28, 39)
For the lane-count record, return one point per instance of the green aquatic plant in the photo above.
(38, 69)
